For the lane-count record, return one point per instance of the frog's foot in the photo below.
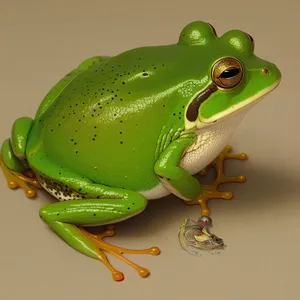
(25, 180)
(118, 251)
(211, 191)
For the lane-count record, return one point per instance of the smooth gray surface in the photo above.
(41, 41)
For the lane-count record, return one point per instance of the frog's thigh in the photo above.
(13, 150)
(62, 217)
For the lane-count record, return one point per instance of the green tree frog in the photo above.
(118, 131)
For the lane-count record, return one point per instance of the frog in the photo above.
(119, 131)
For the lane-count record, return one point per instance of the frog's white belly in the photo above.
(210, 143)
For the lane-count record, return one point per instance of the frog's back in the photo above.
(104, 124)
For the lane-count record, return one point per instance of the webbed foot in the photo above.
(98, 240)
(25, 180)
(211, 191)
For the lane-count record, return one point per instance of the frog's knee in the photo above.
(137, 203)
(20, 132)
(9, 158)
(44, 214)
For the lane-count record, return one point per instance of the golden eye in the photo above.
(227, 73)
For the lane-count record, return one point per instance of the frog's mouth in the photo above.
(240, 106)
(192, 113)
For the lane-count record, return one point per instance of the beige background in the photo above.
(41, 41)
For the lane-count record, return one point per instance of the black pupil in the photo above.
(229, 73)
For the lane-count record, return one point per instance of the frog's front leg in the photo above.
(68, 218)
(212, 189)
(176, 179)
(183, 184)
(13, 158)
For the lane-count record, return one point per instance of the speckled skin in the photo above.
(108, 115)
(116, 128)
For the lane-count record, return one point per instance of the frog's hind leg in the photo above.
(68, 218)
(13, 160)
(212, 189)
(119, 251)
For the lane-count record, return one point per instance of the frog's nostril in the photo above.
(265, 71)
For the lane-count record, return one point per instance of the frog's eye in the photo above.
(227, 73)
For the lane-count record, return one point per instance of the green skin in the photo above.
(117, 126)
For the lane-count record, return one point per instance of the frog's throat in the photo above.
(193, 109)
(237, 107)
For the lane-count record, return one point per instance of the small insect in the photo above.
(195, 238)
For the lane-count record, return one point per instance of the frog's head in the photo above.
(232, 76)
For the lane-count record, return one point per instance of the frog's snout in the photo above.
(271, 71)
